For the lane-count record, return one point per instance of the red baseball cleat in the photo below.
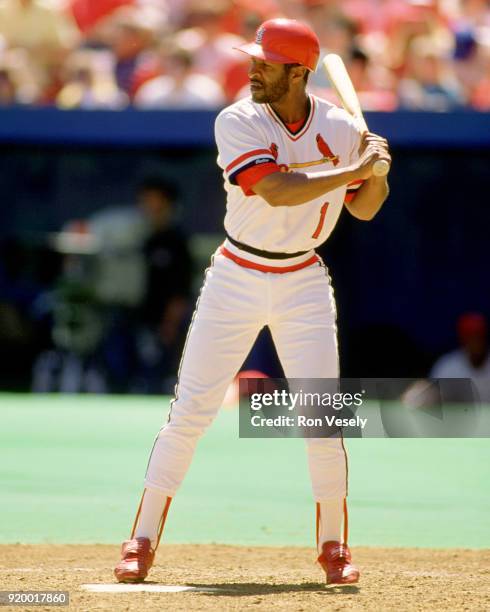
(137, 559)
(336, 560)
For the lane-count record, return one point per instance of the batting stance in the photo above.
(290, 162)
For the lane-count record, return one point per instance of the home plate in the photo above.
(146, 588)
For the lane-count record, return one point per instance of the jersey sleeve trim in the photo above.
(247, 178)
(254, 155)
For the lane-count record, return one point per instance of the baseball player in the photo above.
(290, 162)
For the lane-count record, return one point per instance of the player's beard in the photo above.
(272, 92)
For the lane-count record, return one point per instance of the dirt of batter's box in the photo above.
(256, 578)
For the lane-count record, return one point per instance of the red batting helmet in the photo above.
(285, 41)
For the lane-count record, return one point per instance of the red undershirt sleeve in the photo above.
(352, 189)
(250, 176)
(354, 135)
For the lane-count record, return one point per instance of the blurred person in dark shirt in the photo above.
(166, 305)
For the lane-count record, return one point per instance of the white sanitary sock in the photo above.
(150, 515)
(331, 518)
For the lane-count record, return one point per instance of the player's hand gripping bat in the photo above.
(338, 76)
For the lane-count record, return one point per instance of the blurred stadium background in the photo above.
(112, 202)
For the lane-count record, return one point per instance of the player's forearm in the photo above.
(295, 188)
(369, 198)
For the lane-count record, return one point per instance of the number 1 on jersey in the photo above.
(321, 220)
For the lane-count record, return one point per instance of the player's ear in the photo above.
(297, 74)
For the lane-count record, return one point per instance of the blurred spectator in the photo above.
(235, 76)
(429, 83)
(90, 83)
(36, 34)
(241, 11)
(408, 20)
(429, 54)
(206, 40)
(32, 36)
(131, 38)
(23, 76)
(470, 25)
(372, 84)
(334, 28)
(88, 13)
(474, 13)
(8, 88)
(472, 360)
(480, 96)
(35, 26)
(466, 60)
(166, 304)
(336, 33)
(180, 87)
(55, 74)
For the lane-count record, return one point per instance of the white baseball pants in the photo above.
(234, 304)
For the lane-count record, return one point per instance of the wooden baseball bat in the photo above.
(339, 77)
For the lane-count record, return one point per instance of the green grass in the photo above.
(72, 468)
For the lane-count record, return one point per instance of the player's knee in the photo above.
(325, 445)
(191, 425)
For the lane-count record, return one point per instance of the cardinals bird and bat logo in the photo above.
(327, 155)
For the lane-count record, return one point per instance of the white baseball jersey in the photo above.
(253, 141)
